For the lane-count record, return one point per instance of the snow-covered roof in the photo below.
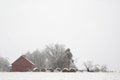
(29, 60)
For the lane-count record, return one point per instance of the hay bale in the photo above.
(36, 70)
(65, 70)
(72, 70)
(51, 70)
(58, 69)
(43, 70)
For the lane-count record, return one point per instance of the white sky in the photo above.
(89, 27)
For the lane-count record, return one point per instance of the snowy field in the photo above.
(58, 76)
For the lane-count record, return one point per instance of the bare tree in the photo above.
(55, 54)
(88, 65)
(96, 68)
(4, 65)
(58, 56)
(37, 58)
(103, 68)
(52, 57)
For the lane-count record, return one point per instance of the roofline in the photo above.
(24, 58)
(29, 61)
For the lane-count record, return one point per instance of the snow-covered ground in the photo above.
(58, 76)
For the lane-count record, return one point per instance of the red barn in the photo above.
(22, 64)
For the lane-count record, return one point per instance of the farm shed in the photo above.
(22, 64)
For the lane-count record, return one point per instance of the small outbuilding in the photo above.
(22, 64)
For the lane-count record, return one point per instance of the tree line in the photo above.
(53, 57)
(90, 67)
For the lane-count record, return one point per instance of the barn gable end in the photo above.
(22, 65)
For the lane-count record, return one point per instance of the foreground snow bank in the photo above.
(58, 76)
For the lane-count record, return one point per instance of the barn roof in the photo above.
(29, 61)
(25, 59)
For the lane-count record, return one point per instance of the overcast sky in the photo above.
(90, 28)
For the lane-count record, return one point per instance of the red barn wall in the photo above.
(22, 65)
